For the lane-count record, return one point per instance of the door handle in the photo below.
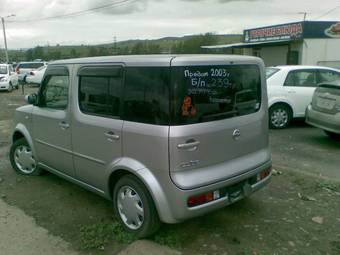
(190, 145)
(291, 91)
(64, 125)
(112, 136)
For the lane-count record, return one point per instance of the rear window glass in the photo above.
(270, 71)
(208, 93)
(31, 65)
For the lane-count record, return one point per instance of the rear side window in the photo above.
(146, 96)
(302, 78)
(100, 91)
(208, 93)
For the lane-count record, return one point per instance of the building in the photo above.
(298, 43)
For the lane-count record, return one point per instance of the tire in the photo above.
(22, 160)
(130, 193)
(280, 116)
(333, 135)
(10, 87)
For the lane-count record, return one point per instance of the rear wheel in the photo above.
(22, 159)
(333, 135)
(134, 207)
(280, 116)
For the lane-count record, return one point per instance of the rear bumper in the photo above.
(328, 122)
(178, 199)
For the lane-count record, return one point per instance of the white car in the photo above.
(290, 90)
(23, 68)
(35, 77)
(8, 78)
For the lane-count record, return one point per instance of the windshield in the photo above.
(207, 93)
(3, 69)
(270, 71)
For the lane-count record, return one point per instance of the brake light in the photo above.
(17, 70)
(263, 174)
(200, 199)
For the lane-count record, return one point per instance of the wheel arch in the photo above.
(149, 180)
(286, 103)
(21, 131)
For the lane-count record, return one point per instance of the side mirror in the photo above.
(32, 99)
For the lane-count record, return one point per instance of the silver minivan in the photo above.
(166, 138)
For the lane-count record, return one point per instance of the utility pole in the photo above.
(4, 31)
(115, 45)
(304, 15)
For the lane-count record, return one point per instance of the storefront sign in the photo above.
(291, 31)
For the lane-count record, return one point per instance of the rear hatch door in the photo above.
(219, 120)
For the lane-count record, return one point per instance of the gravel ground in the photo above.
(298, 213)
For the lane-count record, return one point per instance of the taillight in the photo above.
(17, 70)
(263, 174)
(200, 199)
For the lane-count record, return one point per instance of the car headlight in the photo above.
(3, 79)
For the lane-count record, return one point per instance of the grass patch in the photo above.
(329, 185)
(98, 235)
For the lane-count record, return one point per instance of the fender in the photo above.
(24, 131)
(150, 181)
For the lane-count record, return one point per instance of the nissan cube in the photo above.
(166, 138)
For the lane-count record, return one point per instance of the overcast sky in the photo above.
(146, 19)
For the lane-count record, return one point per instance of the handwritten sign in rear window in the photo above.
(216, 91)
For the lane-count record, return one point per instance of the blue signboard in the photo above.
(293, 31)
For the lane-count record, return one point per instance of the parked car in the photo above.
(8, 78)
(23, 68)
(290, 90)
(166, 138)
(35, 77)
(324, 111)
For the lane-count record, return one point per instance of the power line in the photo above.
(78, 13)
(328, 12)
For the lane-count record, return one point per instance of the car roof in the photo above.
(297, 67)
(155, 59)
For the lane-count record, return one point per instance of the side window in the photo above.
(147, 95)
(328, 76)
(301, 78)
(54, 93)
(100, 95)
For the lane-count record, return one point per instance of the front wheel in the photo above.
(22, 159)
(10, 87)
(279, 116)
(134, 207)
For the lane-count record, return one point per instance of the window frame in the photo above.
(301, 70)
(50, 72)
(103, 74)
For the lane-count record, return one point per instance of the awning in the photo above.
(247, 45)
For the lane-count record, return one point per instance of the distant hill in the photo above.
(184, 44)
